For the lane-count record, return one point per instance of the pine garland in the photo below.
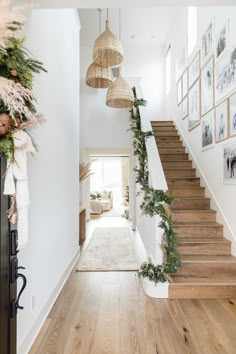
(155, 202)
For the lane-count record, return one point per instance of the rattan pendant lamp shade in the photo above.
(120, 94)
(99, 76)
(107, 49)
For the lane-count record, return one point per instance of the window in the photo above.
(168, 70)
(107, 176)
(192, 28)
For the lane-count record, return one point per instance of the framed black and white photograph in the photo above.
(207, 125)
(232, 114)
(185, 83)
(194, 70)
(207, 87)
(229, 163)
(222, 39)
(208, 41)
(179, 91)
(221, 121)
(225, 74)
(185, 107)
(194, 106)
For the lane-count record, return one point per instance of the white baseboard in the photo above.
(228, 232)
(31, 336)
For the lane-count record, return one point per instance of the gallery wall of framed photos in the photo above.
(206, 94)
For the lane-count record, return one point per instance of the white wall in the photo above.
(106, 127)
(210, 161)
(53, 37)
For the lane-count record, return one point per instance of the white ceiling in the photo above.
(145, 26)
(122, 3)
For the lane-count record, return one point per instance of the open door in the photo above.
(8, 271)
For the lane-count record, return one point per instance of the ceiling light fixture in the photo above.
(98, 76)
(119, 93)
(107, 49)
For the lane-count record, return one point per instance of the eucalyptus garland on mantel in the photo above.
(155, 202)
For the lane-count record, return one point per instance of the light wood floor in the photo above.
(102, 313)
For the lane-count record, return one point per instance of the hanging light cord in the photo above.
(100, 11)
(107, 14)
(119, 24)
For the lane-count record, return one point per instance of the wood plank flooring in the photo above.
(99, 313)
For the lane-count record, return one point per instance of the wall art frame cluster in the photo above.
(206, 91)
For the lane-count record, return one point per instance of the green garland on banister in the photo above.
(155, 202)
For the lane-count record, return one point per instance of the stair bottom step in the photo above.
(223, 287)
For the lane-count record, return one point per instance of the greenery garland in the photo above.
(155, 202)
(16, 65)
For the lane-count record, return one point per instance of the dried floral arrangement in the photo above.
(17, 69)
(18, 114)
(85, 170)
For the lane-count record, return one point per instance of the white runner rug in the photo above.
(110, 249)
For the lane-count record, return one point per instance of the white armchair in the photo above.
(101, 201)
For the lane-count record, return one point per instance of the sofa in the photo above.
(100, 201)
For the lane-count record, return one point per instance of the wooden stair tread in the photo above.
(208, 259)
(194, 224)
(179, 168)
(205, 211)
(180, 178)
(213, 279)
(171, 153)
(176, 161)
(188, 187)
(202, 240)
(153, 122)
(191, 198)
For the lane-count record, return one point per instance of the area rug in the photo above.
(116, 211)
(110, 249)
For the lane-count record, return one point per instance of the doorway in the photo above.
(109, 186)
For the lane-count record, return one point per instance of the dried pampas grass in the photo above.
(85, 170)
(11, 21)
(15, 97)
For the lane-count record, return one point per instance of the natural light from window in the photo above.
(192, 28)
(168, 70)
(107, 176)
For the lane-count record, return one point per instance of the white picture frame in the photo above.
(185, 83)
(185, 107)
(179, 91)
(194, 114)
(222, 41)
(225, 74)
(229, 163)
(207, 42)
(207, 87)
(221, 121)
(207, 130)
(232, 114)
(194, 70)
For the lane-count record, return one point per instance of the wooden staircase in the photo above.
(209, 270)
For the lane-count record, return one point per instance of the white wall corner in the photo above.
(76, 11)
(36, 327)
(221, 218)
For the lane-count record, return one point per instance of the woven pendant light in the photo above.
(107, 50)
(120, 94)
(98, 76)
